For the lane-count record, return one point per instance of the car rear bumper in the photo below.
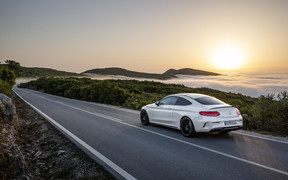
(223, 129)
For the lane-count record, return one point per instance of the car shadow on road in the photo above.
(177, 133)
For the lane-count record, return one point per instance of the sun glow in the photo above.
(228, 57)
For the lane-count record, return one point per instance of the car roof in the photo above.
(191, 95)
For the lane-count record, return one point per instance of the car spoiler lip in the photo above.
(218, 107)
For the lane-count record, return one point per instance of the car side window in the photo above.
(182, 102)
(169, 100)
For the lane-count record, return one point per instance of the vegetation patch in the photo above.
(264, 114)
(7, 80)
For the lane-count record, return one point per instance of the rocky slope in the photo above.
(31, 148)
(12, 162)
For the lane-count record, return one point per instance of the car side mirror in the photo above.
(157, 103)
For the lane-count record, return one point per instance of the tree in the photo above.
(15, 66)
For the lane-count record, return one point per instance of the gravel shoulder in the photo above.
(48, 153)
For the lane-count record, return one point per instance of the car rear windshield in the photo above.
(209, 101)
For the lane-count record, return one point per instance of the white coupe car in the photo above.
(192, 113)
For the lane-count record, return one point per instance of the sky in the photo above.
(147, 36)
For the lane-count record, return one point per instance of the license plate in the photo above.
(227, 123)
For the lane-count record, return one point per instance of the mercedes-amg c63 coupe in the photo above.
(192, 113)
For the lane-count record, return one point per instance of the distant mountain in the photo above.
(171, 73)
(124, 72)
(44, 72)
(189, 71)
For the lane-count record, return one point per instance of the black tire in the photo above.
(144, 118)
(187, 127)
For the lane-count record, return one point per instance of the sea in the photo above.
(253, 85)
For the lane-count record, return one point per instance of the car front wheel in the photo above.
(144, 118)
(187, 127)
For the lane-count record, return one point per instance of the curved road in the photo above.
(115, 138)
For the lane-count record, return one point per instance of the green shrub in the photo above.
(7, 80)
(270, 114)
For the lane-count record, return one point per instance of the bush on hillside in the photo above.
(7, 80)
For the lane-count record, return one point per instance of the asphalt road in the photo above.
(116, 139)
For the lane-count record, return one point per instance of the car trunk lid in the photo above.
(225, 111)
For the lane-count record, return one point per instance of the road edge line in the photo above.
(107, 161)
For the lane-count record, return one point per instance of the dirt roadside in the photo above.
(47, 153)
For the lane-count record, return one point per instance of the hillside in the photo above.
(43, 72)
(124, 72)
(171, 73)
(189, 71)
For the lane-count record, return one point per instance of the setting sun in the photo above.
(228, 57)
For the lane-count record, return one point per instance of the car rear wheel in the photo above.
(144, 118)
(187, 127)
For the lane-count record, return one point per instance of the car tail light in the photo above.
(209, 113)
(238, 112)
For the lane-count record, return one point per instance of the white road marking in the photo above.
(98, 104)
(96, 114)
(175, 139)
(255, 136)
(93, 113)
(119, 170)
(114, 107)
